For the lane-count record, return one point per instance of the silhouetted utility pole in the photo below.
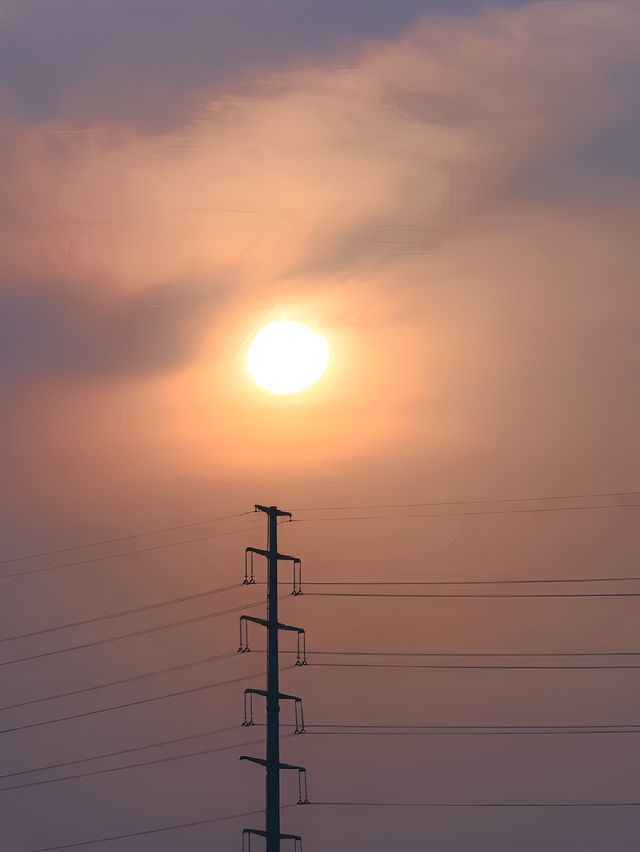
(272, 693)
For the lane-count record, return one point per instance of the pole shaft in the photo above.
(272, 816)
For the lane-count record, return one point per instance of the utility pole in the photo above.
(272, 694)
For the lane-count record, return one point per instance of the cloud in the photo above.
(155, 63)
(54, 332)
(315, 173)
(399, 193)
(449, 207)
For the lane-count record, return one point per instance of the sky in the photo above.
(449, 192)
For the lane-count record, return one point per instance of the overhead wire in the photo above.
(466, 514)
(120, 538)
(352, 730)
(109, 770)
(107, 754)
(498, 582)
(434, 504)
(449, 733)
(195, 619)
(391, 730)
(477, 667)
(471, 595)
(545, 498)
(192, 824)
(105, 557)
(121, 613)
(335, 804)
(151, 548)
(478, 805)
(356, 730)
(469, 653)
(131, 679)
(135, 703)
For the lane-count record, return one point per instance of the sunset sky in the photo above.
(447, 191)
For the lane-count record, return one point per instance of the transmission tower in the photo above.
(272, 694)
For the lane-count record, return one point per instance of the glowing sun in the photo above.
(286, 357)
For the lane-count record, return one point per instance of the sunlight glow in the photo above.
(286, 357)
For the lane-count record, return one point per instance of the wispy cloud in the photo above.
(418, 187)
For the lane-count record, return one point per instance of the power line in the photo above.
(387, 595)
(353, 730)
(152, 548)
(138, 702)
(475, 666)
(476, 805)
(132, 679)
(545, 498)
(501, 582)
(119, 753)
(104, 558)
(539, 510)
(177, 527)
(449, 733)
(327, 804)
(232, 746)
(469, 653)
(208, 821)
(131, 635)
(140, 764)
(120, 613)
(117, 539)
(470, 730)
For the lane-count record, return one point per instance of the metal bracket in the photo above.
(247, 832)
(249, 568)
(301, 647)
(303, 794)
(282, 696)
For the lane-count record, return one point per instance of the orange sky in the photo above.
(454, 208)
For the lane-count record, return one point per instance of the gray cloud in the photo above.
(155, 63)
(54, 332)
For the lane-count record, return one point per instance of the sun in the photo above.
(287, 357)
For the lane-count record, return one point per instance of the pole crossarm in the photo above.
(247, 832)
(301, 645)
(249, 570)
(290, 628)
(303, 794)
(262, 762)
(264, 834)
(299, 727)
(281, 557)
(264, 623)
(265, 693)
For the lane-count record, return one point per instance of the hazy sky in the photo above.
(449, 191)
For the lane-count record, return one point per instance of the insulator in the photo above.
(303, 796)
(248, 710)
(249, 573)
(301, 649)
(299, 712)
(244, 636)
(297, 577)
